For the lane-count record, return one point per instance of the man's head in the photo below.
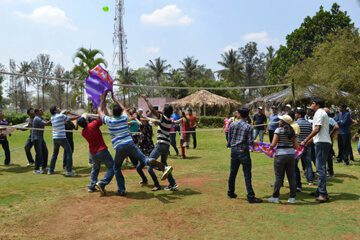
(176, 111)
(54, 110)
(38, 112)
(300, 113)
(236, 114)
(228, 115)
(168, 110)
(291, 114)
(343, 107)
(260, 110)
(317, 103)
(117, 110)
(243, 113)
(274, 109)
(140, 111)
(30, 112)
(82, 122)
(189, 111)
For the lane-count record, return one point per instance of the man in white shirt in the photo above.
(321, 138)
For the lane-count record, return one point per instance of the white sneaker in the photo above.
(70, 174)
(167, 171)
(30, 164)
(273, 200)
(38, 171)
(291, 200)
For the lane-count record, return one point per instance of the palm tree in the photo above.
(158, 68)
(25, 68)
(189, 67)
(232, 67)
(126, 76)
(87, 60)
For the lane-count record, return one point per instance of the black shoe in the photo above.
(121, 193)
(255, 200)
(232, 195)
(143, 183)
(314, 194)
(346, 163)
(101, 188)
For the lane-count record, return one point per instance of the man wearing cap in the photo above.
(259, 119)
(273, 122)
(288, 109)
(321, 137)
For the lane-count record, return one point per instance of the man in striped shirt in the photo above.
(305, 130)
(123, 143)
(59, 138)
(163, 144)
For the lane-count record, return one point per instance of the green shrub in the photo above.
(210, 122)
(15, 118)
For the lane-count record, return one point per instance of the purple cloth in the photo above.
(265, 148)
(98, 82)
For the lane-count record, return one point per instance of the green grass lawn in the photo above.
(56, 207)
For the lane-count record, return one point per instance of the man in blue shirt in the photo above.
(344, 135)
(240, 140)
(124, 144)
(273, 122)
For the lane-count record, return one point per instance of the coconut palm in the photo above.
(232, 67)
(25, 68)
(190, 68)
(85, 60)
(126, 76)
(158, 68)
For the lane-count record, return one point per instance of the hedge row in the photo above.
(211, 122)
(18, 118)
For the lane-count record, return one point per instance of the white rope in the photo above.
(145, 86)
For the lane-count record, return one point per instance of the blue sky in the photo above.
(171, 29)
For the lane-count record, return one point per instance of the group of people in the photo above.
(131, 135)
(313, 128)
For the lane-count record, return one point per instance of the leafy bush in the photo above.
(15, 118)
(211, 122)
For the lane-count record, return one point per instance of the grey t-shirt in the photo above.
(285, 145)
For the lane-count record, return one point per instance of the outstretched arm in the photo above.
(119, 103)
(101, 107)
(151, 107)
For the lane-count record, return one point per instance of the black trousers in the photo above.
(41, 154)
(28, 145)
(193, 134)
(344, 145)
(5, 146)
(271, 135)
(284, 164)
(329, 162)
(71, 143)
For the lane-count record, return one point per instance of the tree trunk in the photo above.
(67, 95)
(38, 96)
(43, 94)
(59, 89)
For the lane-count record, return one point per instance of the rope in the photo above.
(145, 86)
(107, 132)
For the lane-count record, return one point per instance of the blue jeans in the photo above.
(161, 149)
(63, 142)
(259, 133)
(240, 157)
(322, 151)
(28, 145)
(358, 147)
(123, 151)
(306, 157)
(104, 157)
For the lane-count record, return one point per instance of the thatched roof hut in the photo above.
(203, 99)
(302, 95)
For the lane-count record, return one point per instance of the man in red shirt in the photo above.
(99, 153)
(192, 126)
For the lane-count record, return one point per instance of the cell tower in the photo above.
(119, 39)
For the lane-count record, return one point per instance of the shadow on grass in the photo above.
(341, 175)
(166, 197)
(17, 169)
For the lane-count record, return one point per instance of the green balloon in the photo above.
(105, 8)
